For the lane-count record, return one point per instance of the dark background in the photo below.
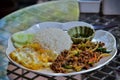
(8, 6)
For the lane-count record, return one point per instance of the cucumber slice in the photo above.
(18, 45)
(20, 37)
(30, 38)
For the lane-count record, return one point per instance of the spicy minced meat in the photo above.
(80, 56)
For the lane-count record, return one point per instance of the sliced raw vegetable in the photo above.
(20, 39)
(30, 38)
(18, 44)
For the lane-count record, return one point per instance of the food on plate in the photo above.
(33, 56)
(53, 48)
(20, 39)
(81, 56)
(37, 51)
(54, 39)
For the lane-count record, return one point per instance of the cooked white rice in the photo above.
(54, 39)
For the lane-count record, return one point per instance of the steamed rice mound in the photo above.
(54, 39)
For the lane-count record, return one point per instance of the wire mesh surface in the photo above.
(107, 72)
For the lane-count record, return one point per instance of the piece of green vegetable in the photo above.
(30, 38)
(18, 44)
(101, 49)
(20, 39)
(67, 66)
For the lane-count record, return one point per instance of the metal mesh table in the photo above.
(107, 72)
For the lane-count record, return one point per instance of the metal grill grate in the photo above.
(108, 72)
